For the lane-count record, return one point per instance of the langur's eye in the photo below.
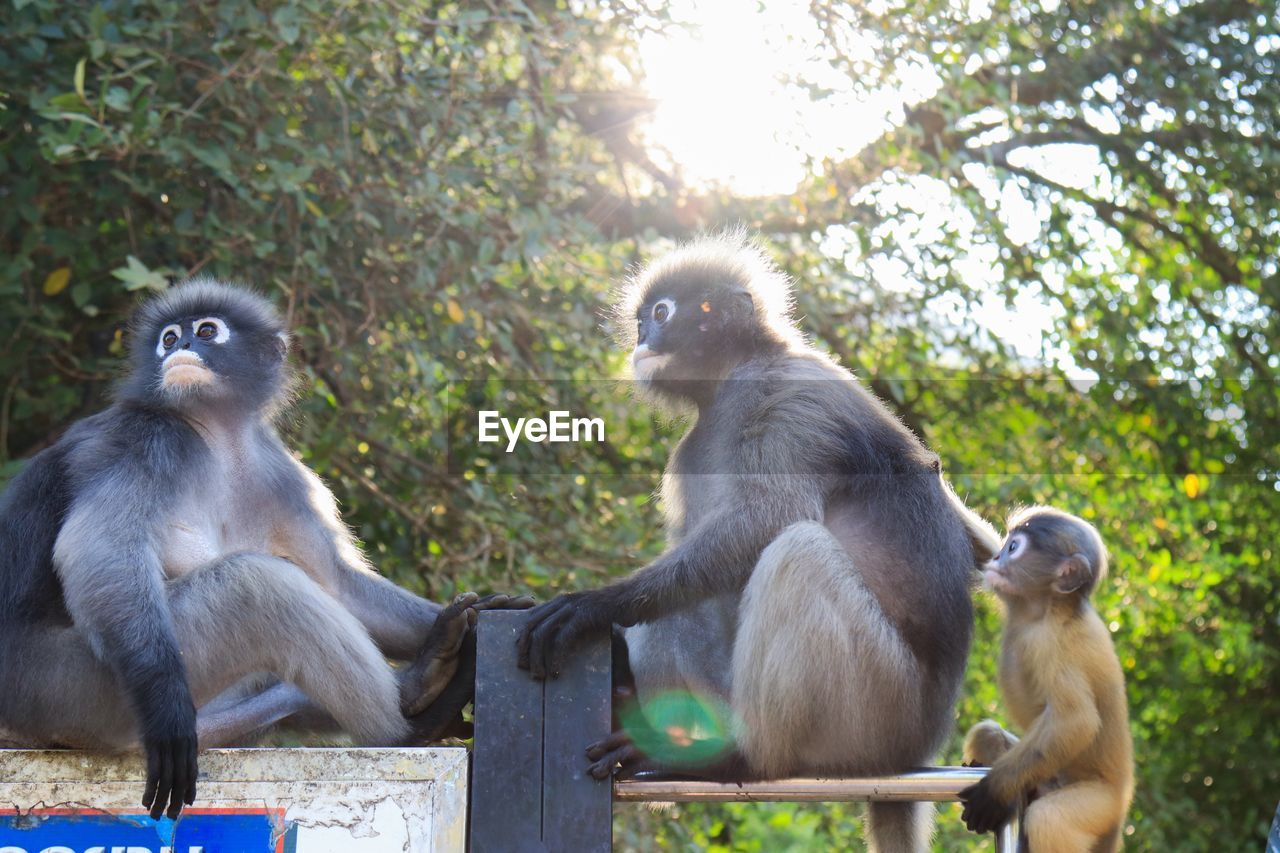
(211, 329)
(168, 338)
(663, 311)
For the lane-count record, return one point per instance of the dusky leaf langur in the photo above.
(170, 549)
(1063, 686)
(816, 581)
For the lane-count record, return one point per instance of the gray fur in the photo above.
(798, 503)
(171, 546)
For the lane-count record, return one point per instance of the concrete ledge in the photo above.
(295, 800)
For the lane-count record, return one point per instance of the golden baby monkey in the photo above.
(1062, 684)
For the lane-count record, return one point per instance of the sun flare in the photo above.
(731, 110)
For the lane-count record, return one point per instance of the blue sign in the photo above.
(195, 831)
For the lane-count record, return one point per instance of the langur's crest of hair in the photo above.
(246, 310)
(1062, 534)
(731, 258)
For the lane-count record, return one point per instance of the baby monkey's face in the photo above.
(1005, 573)
(1047, 553)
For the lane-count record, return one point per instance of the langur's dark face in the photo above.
(190, 353)
(686, 330)
(207, 343)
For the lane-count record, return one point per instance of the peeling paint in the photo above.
(348, 800)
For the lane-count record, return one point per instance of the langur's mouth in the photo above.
(645, 362)
(994, 580)
(185, 370)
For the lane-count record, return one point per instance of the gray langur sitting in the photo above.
(816, 580)
(168, 551)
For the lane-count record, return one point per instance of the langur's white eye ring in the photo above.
(168, 337)
(663, 311)
(211, 329)
(1015, 542)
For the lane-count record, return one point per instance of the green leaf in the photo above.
(79, 78)
(136, 276)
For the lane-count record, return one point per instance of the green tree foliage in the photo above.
(439, 192)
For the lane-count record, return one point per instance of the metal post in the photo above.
(529, 787)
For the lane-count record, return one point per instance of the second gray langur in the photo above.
(170, 549)
(816, 581)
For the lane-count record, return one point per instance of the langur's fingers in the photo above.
(536, 619)
(447, 631)
(612, 742)
(543, 638)
(153, 777)
(193, 763)
(164, 784)
(503, 601)
(453, 632)
(566, 639)
(180, 780)
(614, 760)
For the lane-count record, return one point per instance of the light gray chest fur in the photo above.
(223, 507)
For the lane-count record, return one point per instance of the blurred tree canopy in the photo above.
(439, 191)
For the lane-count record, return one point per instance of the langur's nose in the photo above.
(186, 344)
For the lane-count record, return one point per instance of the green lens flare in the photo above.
(680, 729)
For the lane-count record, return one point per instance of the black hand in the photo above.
(170, 747)
(555, 627)
(983, 812)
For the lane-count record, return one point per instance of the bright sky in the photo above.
(728, 114)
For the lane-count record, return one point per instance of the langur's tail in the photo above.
(982, 536)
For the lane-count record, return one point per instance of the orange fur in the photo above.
(1063, 686)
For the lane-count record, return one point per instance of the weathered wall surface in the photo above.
(273, 800)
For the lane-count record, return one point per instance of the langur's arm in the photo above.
(1065, 728)
(716, 557)
(114, 587)
(321, 544)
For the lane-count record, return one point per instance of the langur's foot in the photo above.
(437, 660)
(618, 756)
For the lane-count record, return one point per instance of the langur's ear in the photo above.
(1074, 575)
(739, 311)
(282, 344)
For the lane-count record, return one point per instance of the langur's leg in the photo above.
(985, 743)
(824, 683)
(1080, 816)
(66, 696)
(58, 693)
(237, 723)
(253, 613)
(678, 660)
